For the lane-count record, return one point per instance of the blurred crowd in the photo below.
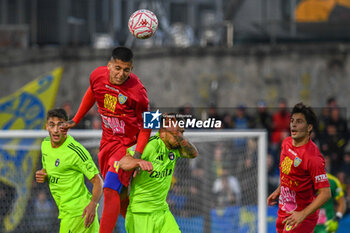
(226, 172)
(235, 178)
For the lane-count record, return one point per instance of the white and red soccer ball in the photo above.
(143, 24)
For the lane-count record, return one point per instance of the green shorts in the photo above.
(155, 222)
(76, 224)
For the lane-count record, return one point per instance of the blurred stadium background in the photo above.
(242, 61)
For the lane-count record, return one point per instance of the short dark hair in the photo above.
(330, 99)
(57, 112)
(122, 53)
(307, 111)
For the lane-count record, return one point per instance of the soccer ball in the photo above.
(143, 24)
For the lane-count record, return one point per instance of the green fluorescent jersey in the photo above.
(327, 211)
(149, 190)
(66, 167)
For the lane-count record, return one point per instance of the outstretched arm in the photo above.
(90, 210)
(87, 102)
(128, 163)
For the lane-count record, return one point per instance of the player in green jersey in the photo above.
(328, 218)
(65, 162)
(148, 211)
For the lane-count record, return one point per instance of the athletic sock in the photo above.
(111, 209)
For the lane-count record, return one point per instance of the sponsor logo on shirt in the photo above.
(53, 180)
(286, 165)
(112, 88)
(118, 126)
(297, 161)
(293, 153)
(161, 174)
(288, 182)
(160, 157)
(287, 199)
(57, 162)
(110, 102)
(321, 178)
(122, 98)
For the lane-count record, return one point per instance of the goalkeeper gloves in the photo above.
(332, 225)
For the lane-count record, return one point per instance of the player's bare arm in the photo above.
(86, 104)
(41, 176)
(187, 149)
(332, 224)
(272, 199)
(128, 163)
(297, 217)
(341, 208)
(90, 210)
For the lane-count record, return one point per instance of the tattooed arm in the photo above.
(187, 149)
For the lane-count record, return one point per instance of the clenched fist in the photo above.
(40, 176)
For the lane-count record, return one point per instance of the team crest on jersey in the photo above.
(57, 162)
(297, 161)
(122, 98)
(171, 156)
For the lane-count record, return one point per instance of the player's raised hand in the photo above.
(89, 213)
(68, 125)
(40, 176)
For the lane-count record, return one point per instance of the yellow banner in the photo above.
(316, 11)
(25, 109)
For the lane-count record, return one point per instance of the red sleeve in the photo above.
(142, 106)
(87, 102)
(142, 139)
(318, 172)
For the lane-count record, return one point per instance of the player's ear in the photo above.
(109, 65)
(309, 128)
